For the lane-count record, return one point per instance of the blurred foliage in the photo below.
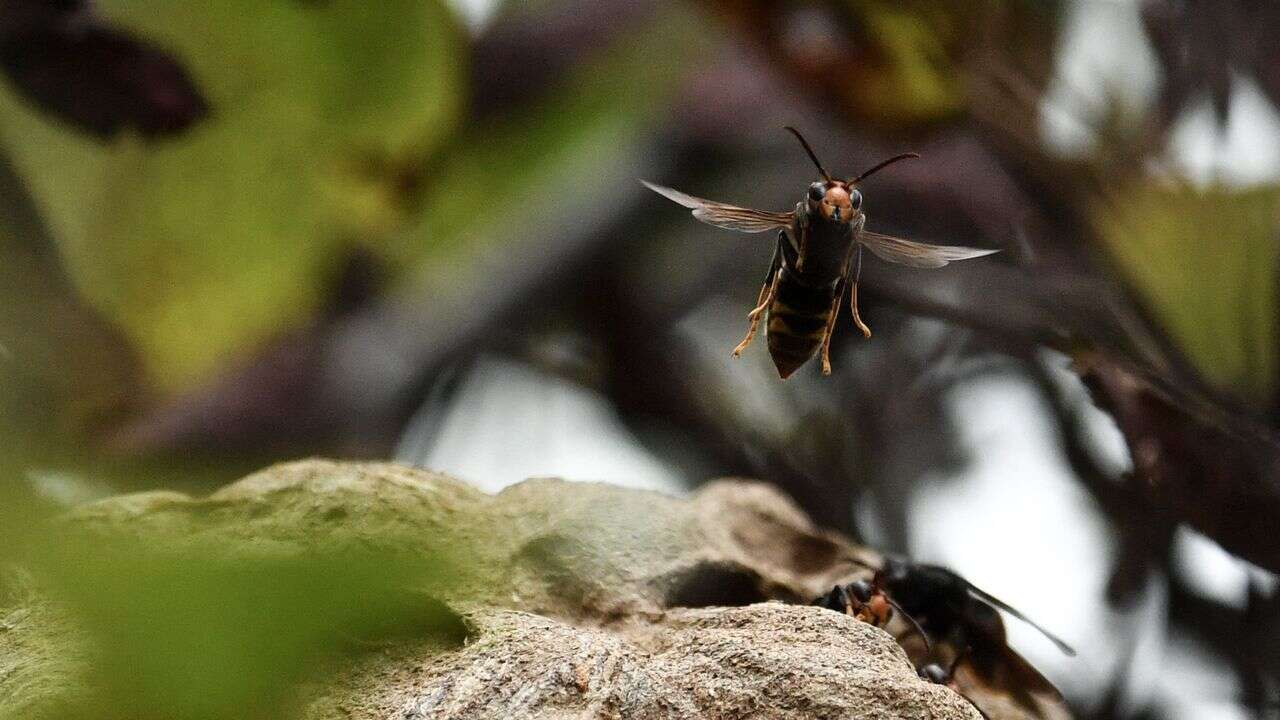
(61, 373)
(343, 129)
(915, 75)
(506, 176)
(69, 62)
(1208, 264)
(157, 607)
(40, 367)
(334, 125)
(901, 67)
(197, 248)
(209, 639)
(201, 246)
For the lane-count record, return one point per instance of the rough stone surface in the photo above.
(583, 600)
(761, 661)
(40, 662)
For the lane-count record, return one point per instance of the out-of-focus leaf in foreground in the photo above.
(96, 77)
(1207, 263)
(206, 627)
(204, 245)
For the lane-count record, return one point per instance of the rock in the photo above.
(41, 663)
(763, 660)
(579, 600)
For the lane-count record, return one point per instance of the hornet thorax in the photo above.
(826, 225)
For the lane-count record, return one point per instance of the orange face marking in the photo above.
(875, 611)
(835, 205)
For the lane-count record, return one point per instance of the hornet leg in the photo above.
(853, 296)
(766, 298)
(831, 326)
(763, 302)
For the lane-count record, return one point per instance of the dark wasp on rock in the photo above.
(965, 645)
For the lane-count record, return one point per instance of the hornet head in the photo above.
(835, 201)
(838, 200)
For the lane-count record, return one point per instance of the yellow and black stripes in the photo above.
(798, 319)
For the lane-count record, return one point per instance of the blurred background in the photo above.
(235, 233)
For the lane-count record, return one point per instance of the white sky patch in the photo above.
(509, 422)
(1251, 151)
(1016, 524)
(1103, 56)
(1144, 664)
(1245, 152)
(475, 13)
(66, 488)
(1194, 143)
(1108, 445)
(1192, 686)
(1211, 570)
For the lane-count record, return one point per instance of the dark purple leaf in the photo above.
(102, 80)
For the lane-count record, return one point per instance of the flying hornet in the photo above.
(818, 256)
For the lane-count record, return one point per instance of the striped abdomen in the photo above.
(797, 321)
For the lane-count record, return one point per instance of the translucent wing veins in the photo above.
(917, 254)
(887, 247)
(723, 215)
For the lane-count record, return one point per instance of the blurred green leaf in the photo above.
(919, 76)
(175, 624)
(1208, 264)
(201, 635)
(204, 245)
(912, 63)
(506, 177)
